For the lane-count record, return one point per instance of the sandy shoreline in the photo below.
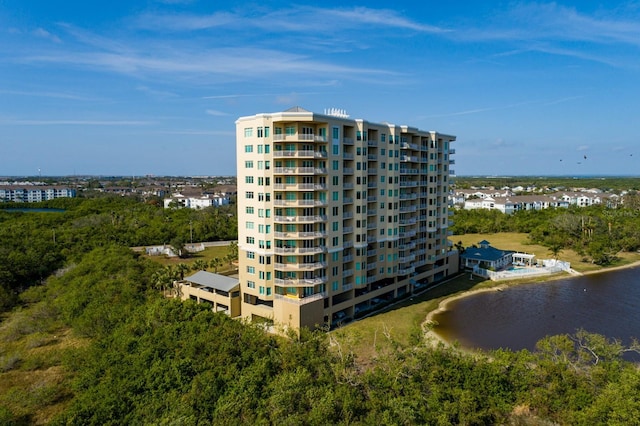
(442, 306)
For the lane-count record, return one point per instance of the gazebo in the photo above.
(523, 259)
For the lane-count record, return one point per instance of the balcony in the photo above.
(408, 246)
(299, 300)
(299, 219)
(299, 235)
(299, 266)
(405, 170)
(299, 282)
(407, 259)
(299, 203)
(407, 234)
(406, 271)
(406, 145)
(371, 142)
(408, 209)
(299, 250)
(300, 154)
(293, 170)
(299, 186)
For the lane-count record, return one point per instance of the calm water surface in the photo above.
(516, 318)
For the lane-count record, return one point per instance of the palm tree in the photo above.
(173, 277)
(199, 265)
(233, 249)
(215, 263)
(181, 269)
(159, 279)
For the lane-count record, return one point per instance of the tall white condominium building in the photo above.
(336, 216)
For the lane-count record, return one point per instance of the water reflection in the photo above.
(516, 318)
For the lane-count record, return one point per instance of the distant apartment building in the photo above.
(338, 216)
(197, 201)
(34, 194)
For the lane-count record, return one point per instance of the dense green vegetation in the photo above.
(145, 359)
(614, 184)
(98, 343)
(36, 244)
(597, 233)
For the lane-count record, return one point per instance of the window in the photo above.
(248, 179)
(248, 148)
(260, 133)
(267, 148)
(249, 225)
(335, 133)
(248, 132)
(251, 255)
(266, 135)
(251, 284)
(251, 269)
(248, 195)
(260, 149)
(260, 181)
(290, 130)
(251, 240)
(248, 164)
(335, 164)
(249, 210)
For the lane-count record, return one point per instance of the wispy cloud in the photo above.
(216, 113)
(292, 19)
(19, 122)
(70, 96)
(41, 32)
(504, 107)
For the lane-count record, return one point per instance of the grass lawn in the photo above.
(368, 337)
(373, 335)
(207, 254)
(520, 242)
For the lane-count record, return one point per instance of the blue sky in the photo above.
(154, 87)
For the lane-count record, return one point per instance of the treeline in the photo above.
(33, 244)
(612, 184)
(597, 232)
(142, 359)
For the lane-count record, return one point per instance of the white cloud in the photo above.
(41, 32)
(216, 113)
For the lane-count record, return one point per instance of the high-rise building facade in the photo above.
(338, 216)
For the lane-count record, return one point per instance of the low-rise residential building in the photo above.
(197, 202)
(34, 194)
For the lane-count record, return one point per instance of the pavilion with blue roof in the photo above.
(486, 257)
